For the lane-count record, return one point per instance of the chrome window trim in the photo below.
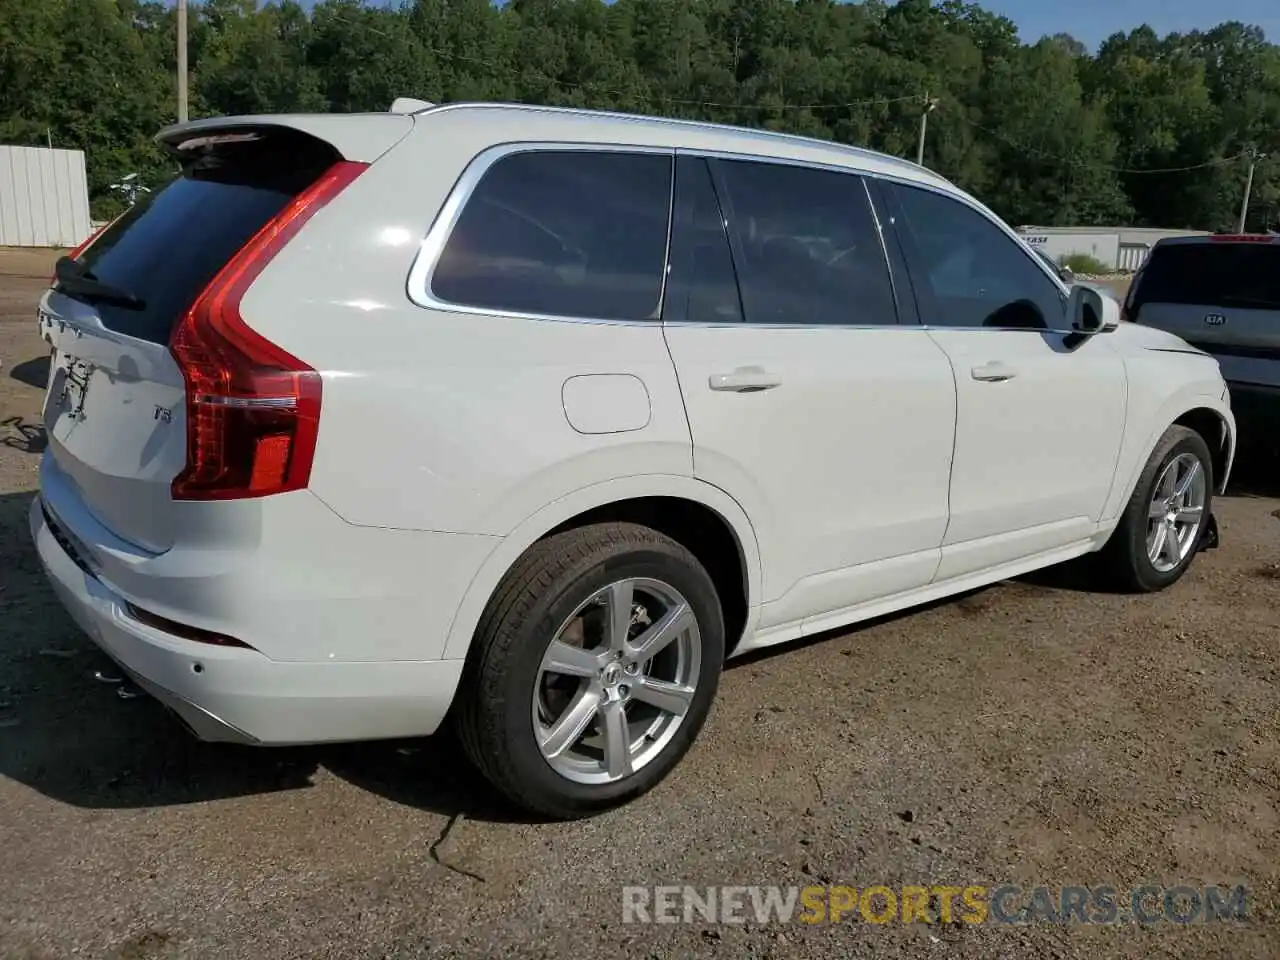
(433, 243)
(437, 236)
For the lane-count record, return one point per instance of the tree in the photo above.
(1152, 129)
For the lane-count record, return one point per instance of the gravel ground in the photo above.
(1030, 733)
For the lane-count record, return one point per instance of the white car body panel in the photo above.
(848, 495)
(1035, 454)
(878, 475)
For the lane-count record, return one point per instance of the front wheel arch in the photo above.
(1210, 417)
(1217, 435)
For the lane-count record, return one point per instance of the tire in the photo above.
(505, 694)
(1124, 561)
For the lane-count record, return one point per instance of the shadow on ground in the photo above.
(34, 373)
(73, 739)
(23, 435)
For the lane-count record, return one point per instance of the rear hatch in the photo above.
(1221, 295)
(115, 407)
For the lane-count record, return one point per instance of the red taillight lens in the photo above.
(181, 629)
(253, 410)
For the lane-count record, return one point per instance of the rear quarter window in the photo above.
(562, 233)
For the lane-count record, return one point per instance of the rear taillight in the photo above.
(253, 410)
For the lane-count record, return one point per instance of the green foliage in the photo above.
(1149, 131)
(1083, 263)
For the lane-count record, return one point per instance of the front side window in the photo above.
(971, 272)
(562, 233)
(807, 247)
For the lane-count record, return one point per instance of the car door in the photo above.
(1040, 409)
(829, 421)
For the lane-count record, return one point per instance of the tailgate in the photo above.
(115, 408)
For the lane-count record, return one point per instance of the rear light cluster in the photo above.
(253, 410)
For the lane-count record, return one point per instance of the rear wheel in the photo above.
(593, 669)
(1161, 528)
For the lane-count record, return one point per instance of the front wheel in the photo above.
(1161, 528)
(593, 670)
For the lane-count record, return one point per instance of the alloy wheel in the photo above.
(617, 681)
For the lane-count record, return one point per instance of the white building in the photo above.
(1123, 249)
(44, 197)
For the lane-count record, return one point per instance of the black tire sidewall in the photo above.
(1147, 574)
(539, 781)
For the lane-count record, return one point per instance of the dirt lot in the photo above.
(1031, 733)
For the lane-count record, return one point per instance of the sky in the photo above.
(1092, 21)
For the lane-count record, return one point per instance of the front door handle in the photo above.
(993, 372)
(744, 380)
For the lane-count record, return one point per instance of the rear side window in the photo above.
(1219, 273)
(168, 246)
(562, 233)
(806, 245)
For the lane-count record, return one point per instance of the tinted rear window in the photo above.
(1212, 274)
(167, 248)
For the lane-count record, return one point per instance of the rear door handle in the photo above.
(744, 380)
(993, 372)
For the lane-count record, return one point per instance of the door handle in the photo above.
(993, 372)
(744, 380)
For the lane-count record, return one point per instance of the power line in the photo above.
(1084, 164)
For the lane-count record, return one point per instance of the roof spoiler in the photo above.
(362, 137)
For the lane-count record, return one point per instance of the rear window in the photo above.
(167, 247)
(1212, 274)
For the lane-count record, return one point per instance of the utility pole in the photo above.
(930, 104)
(1254, 157)
(182, 61)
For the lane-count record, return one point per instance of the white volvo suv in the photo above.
(525, 419)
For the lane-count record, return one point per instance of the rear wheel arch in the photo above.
(699, 516)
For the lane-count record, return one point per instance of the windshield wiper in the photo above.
(75, 278)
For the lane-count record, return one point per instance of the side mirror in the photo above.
(1092, 310)
(1067, 275)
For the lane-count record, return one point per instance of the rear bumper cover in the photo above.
(238, 695)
